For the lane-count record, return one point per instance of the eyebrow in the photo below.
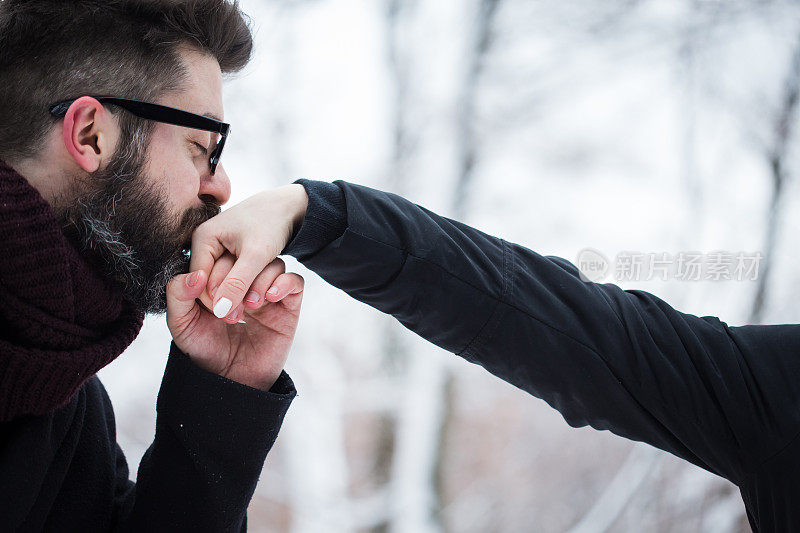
(213, 115)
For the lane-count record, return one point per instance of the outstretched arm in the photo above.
(720, 397)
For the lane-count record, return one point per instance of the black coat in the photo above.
(726, 399)
(64, 472)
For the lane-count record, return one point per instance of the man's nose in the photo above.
(217, 185)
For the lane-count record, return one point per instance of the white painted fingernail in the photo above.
(222, 308)
(242, 322)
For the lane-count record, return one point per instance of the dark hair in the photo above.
(52, 50)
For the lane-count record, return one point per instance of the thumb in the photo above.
(181, 293)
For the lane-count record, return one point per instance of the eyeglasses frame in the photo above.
(161, 113)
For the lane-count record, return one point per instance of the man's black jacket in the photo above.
(64, 472)
(724, 398)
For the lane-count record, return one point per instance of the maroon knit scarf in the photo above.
(60, 320)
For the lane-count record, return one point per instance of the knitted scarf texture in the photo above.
(61, 320)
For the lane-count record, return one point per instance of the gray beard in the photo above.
(124, 226)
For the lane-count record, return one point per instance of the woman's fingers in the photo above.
(287, 288)
(231, 292)
(255, 297)
(254, 231)
(219, 270)
(210, 244)
(222, 266)
(281, 311)
(206, 247)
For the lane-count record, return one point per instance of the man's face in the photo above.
(135, 217)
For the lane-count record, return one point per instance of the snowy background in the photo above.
(618, 125)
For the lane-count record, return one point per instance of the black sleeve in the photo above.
(720, 397)
(212, 438)
(324, 220)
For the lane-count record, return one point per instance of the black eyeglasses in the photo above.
(160, 113)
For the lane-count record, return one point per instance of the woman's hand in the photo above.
(252, 353)
(234, 255)
(252, 233)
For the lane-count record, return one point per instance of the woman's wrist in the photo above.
(298, 206)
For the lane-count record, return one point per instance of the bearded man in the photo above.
(111, 133)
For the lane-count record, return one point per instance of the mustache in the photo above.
(196, 216)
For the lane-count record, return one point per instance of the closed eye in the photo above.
(202, 148)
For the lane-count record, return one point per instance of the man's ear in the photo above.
(90, 133)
